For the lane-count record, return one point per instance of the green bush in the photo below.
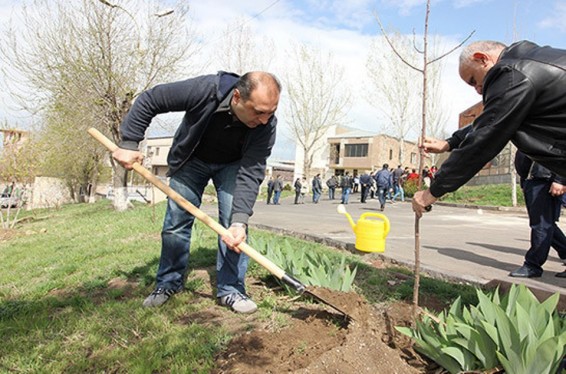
(517, 333)
(410, 188)
(311, 268)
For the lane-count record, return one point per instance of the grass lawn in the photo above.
(73, 280)
(487, 195)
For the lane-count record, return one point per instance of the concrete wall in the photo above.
(48, 193)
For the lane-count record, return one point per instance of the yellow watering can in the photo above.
(370, 233)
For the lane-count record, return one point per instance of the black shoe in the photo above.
(525, 272)
(561, 275)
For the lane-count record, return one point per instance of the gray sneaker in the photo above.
(238, 302)
(158, 297)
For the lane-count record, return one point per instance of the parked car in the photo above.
(8, 201)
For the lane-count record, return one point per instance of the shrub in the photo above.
(410, 187)
(311, 268)
(517, 332)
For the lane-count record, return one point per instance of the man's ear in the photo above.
(480, 56)
(237, 96)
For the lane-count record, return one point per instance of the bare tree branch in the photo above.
(393, 46)
(453, 49)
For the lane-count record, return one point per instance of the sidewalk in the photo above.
(477, 246)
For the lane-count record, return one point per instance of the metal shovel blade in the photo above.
(347, 317)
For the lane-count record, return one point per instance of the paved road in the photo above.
(468, 244)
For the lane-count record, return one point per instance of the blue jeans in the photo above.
(190, 182)
(276, 196)
(345, 195)
(331, 193)
(382, 195)
(399, 191)
(315, 196)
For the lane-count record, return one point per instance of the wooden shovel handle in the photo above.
(199, 214)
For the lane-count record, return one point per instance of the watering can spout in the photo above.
(342, 210)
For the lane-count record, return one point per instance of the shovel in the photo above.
(218, 228)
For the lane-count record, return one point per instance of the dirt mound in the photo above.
(317, 339)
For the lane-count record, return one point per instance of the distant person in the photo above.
(304, 190)
(524, 98)
(365, 185)
(331, 183)
(427, 177)
(297, 187)
(225, 135)
(269, 189)
(316, 188)
(413, 175)
(277, 188)
(399, 178)
(383, 181)
(355, 183)
(346, 185)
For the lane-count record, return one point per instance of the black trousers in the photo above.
(544, 212)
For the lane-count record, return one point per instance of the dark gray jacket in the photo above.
(199, 98)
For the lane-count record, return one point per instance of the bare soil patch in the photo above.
(7, 234)
(317, 339)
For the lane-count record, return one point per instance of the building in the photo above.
(346, 149)
(155, 151)
(358, 151)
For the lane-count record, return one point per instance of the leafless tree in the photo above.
(96, 55)
(396, 91)
(423, 69)
(317, 99)
(241, 51)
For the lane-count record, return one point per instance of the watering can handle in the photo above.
(378, 215)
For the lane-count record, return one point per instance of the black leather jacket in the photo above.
(524, 97)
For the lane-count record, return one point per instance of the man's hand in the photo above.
(421, 200)
(556, 189)
(433, 145)
(126, 157)
(237, 236)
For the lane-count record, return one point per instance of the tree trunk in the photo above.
(120, 185)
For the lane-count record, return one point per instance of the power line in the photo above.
(246, 21)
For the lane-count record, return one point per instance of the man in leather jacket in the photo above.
(543, 208)
(524, 98)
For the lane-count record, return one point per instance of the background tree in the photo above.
(316, 99)
(396, 90)
(62, 135)
(94, 57)
(240, 51)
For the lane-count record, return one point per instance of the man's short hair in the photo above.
(249, 82)
(481, 45)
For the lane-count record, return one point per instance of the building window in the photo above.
(356, 150)
(413, 158)
(391, 154)
(157, 151)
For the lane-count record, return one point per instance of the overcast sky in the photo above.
(346, 27)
